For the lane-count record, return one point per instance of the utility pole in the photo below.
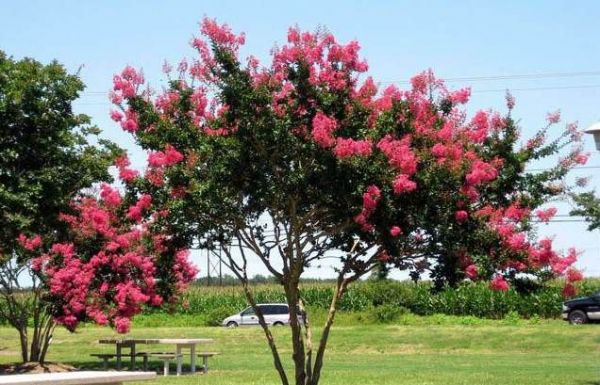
(214, 268)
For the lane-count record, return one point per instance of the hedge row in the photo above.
(471, 299)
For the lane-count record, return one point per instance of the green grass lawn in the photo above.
(492, 352)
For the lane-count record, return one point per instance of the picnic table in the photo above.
(75, 378)
(180, 344)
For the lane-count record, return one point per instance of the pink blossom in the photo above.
(481, 172)
(322, 131)
(439, 150)
(581, 158)
(122, 324)
(421, 82)
(399, 154)
(371, 197)
(29, 244)
(498, 283)
(395, 231)
(221, 34)
(461, 96)
(165, 158)
(125, 173)
(135, 212)
(172, 156)
(517, 242)
(516, 212)
(553, 117)
(546, 215)
(471, 271)
(116, 115)
(461, 215)
(155, 176)
(402, 184)
(110, 195)
(345, 148)
(64, 249)
(129, 125)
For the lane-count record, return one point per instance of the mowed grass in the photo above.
(551, 352)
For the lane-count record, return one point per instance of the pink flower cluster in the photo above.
(110, 280)
(168, 157)
(499, 283)
(370, 200)
(221, 34)
(29, 244)
(546, 215)
(125, 86)
(481, 172)
(345, 148)
(322, 130)
(126, 174)
(135, 212)
(521, 253)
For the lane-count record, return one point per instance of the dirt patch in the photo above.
(395, 349)
(34, 367)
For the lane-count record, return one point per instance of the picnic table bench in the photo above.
(180, 344)
(76, 378)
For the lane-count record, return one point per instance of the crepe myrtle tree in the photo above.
(48, 154)
(300, 161)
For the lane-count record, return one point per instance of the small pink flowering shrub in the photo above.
(108, 271)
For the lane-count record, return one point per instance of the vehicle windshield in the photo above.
(248, 311)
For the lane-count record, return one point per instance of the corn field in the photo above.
(472, 299)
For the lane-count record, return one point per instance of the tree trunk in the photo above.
(43, 337)
(24, 343)
(340, 288)
(298, 351)
(271, 341)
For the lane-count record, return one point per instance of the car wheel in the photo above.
(577, 317)
(277, 323)
(232, 324)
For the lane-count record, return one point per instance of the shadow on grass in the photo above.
(153, 366)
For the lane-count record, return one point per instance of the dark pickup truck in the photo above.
(582, 310)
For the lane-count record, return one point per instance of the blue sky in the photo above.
(456, 39)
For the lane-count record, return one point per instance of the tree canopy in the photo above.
(48, 155)
(307, 159)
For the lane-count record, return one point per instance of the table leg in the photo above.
(193, 358)
(179, 359)
(132, 351)
(118, 356)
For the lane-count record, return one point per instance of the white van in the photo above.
(275, 314)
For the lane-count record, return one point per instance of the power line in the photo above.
(574, 168)
(550, 75)
(490, 90)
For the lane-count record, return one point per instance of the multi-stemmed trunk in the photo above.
(308, 358)
(21, 307)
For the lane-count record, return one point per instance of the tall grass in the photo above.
(470, 299)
